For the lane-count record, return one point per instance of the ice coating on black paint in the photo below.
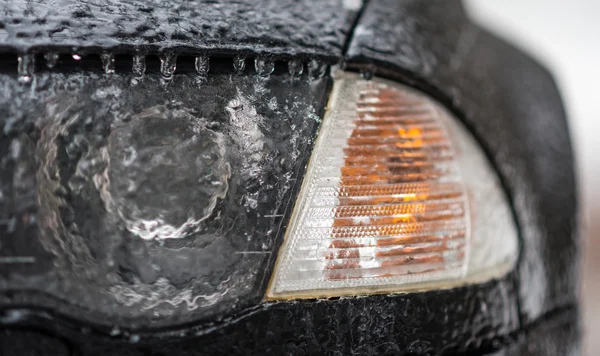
(309, 28)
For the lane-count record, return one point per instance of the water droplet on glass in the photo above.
(25, 68)
(51, 59)
(264, 67)
(168, 64)
(202, 65)
(295, 68)
(108, 63)
(76, 57)
(316, 69)
(239, 64)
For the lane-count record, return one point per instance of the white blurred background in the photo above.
(565, 36)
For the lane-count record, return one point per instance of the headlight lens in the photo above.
(397, 197)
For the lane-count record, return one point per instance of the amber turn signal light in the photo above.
(392, 200)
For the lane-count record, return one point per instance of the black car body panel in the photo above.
(507, 100)
(306, 29)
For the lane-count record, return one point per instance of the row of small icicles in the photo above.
(168, 63)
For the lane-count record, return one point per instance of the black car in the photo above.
(280, 177)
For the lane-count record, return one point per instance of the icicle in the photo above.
(138, 68)
(239, 64)
(26, 68)
(316, 69)
(295, 68)
(51, 59)
(139, 65)
(168, 64)
(202, 65)
(264, 67)
(108, 63)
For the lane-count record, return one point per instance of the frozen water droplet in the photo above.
(235, 104)
(51, 59)
(316, 69)
(295, 68)
(264, 67)
(115, 331)
(139, 65)
(368, 71)
(168, 64)
(25, 68)
(239, 64)
(108, 63)
(367, 74)
(138, 68)
(76, 57)
(202, 65)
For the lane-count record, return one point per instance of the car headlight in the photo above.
(397, 197)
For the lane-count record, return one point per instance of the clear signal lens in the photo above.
(397, 197)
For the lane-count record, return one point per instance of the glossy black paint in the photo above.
(505, 98)
(315, 29)
(554, 334)
(402, 324)
(511, 104)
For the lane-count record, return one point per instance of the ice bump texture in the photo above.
(384, 205)
(309, 28)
